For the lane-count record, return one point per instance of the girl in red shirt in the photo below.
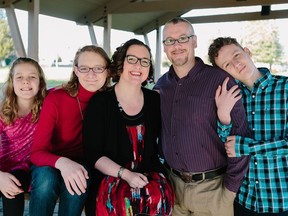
(60, 171)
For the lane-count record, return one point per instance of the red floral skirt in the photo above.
(117, 198)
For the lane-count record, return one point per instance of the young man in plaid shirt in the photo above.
(265, 98)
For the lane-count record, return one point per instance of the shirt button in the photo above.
(253, 129)
(253, 95)
(255, 163)
(180, 84)
(253, 112)
(256, 182)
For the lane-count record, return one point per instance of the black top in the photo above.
(105, 133)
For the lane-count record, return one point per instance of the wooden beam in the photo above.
(281, 14)
(99, 13)
(155, 24)
(33, 29)
(7, 3)
(15, 32)
(180, 5)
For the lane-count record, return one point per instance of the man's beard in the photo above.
(180, 61)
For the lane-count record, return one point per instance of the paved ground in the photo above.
(26, 211)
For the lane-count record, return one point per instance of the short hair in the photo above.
(176, 20)
(119, 56)
(9, 108)
(217, 44)
(72, 86)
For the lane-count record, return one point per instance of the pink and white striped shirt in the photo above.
(15, 144)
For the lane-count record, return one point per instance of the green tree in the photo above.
(2, 14)
(262, 38)
(6, 42)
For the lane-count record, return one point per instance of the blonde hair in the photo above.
(72, 86)
(9, 108)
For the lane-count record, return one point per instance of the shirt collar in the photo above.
(83, 94)
(263, 81)
(193, 71)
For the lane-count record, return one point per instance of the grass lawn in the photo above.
(54, 76)
(50, 83)
(53, 83)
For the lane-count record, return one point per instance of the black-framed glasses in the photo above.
(96, 69)
(182, 39)
(144, 62)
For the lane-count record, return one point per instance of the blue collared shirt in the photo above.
(265, 187)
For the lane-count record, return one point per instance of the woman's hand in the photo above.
(134, 179)
(109, 167)
(10, 186)
(74, 174)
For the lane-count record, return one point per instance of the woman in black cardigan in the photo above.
(120, 133)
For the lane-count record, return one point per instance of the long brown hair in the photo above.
(9, 108)
(72, 86)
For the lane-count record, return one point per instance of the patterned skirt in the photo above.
(117, 198)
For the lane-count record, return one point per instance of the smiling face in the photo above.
(236, 61)
(180, 54)
(135, 73)
(91, 81)
(25, 81)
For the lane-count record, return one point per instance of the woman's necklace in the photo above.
(80, 108)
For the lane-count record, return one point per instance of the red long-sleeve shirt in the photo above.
(59, 130)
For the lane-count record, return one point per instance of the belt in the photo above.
(188, 177)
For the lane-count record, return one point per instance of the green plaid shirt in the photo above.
(265, 186)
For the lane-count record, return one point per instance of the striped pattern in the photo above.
(265, 188)
(189, 138)
(15, 144)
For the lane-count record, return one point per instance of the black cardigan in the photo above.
(105, 134)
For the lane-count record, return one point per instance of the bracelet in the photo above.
(120, 172)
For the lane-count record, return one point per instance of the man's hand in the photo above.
(74, 175)
(230, 146)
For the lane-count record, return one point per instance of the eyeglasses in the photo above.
(96, 69)
(144, 62)
(171, 41)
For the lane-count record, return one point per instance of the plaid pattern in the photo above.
(265, 187)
